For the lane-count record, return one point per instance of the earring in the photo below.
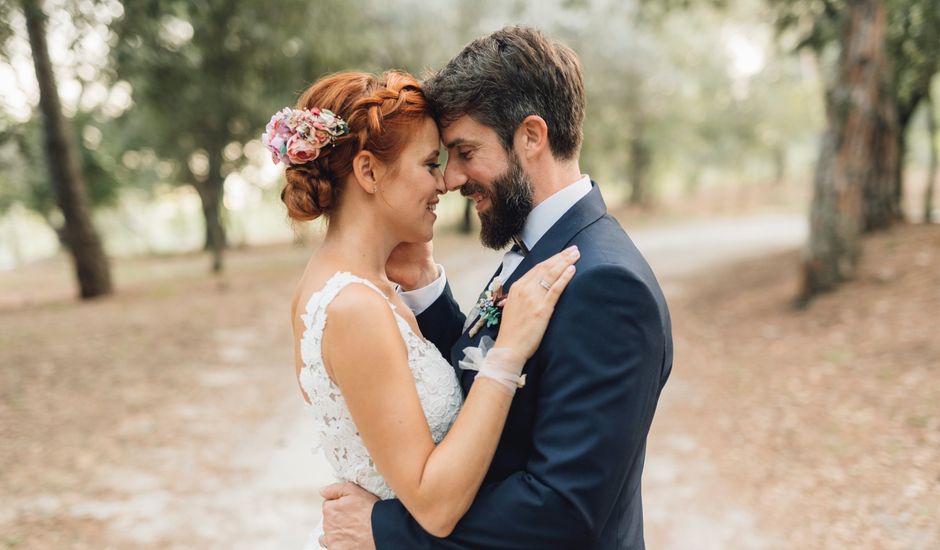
(375, 189)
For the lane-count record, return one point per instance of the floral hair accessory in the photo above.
(295, 136)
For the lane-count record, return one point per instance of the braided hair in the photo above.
(381, 111)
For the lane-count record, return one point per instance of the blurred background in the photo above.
(775, 160)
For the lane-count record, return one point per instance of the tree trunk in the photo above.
(883, 186)
(641, 154)
(466, 225)
(932, 166)
(210, 192)
(640, 151)
(849, 153)
(90, 262)
(900, 139)
(917, 92)
(207, 243)
(640, 160)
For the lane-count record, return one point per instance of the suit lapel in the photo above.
(585, 212)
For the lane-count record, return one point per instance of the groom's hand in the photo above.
(347, 517)
(412, 266)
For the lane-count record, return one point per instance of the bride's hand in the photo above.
(412, 266)
(532, 300)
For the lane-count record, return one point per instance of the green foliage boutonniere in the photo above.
(489, 306)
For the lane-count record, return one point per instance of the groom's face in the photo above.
(482, 170)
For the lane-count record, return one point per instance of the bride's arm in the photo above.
(369, 363)
(368, 360)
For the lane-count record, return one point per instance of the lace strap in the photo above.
(319, 301)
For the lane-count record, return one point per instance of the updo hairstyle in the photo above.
(381, 111)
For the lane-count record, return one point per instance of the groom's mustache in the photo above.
(473, 188)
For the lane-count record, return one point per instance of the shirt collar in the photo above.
(549, 211)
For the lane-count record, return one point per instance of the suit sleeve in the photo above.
(442, 322)
(603, 357)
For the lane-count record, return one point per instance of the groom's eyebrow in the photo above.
(457, 143)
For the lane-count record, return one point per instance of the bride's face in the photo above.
(414, 186)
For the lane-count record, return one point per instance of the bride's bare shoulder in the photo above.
(357, 303)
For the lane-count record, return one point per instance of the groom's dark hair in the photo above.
(502, 78)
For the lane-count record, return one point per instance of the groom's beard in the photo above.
(510, 204)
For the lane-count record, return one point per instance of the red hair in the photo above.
(381, 111)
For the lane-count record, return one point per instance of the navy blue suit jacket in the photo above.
(567, 470)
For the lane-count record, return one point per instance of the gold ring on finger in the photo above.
(545, 284)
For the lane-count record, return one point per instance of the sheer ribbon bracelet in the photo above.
(499, 364)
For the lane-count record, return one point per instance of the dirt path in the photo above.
(234, 466)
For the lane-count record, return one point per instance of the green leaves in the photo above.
(912, 39)
(491, 316)
(205, 74)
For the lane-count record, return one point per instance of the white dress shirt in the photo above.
(540, 220)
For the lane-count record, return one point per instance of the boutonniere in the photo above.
(490, 306)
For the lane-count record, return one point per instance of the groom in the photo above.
(567, 470)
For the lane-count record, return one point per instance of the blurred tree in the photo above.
(666, 106)
(911, 39)
(35, 189)
(932, 164)
(6, 15)
(91, 263)
(468, 18)
(14, 176)
(639, 146)
(82, 27)
(628, 73)
(207, 75)
(668, 101)
(858, 148)
(912, 42)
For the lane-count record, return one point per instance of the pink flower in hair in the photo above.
(295, 136)
(301, 150)
(322, 136)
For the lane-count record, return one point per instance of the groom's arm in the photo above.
(439, 317)
(603, 356)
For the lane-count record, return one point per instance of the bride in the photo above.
(363, 152)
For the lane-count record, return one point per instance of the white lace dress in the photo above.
(434, 377)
